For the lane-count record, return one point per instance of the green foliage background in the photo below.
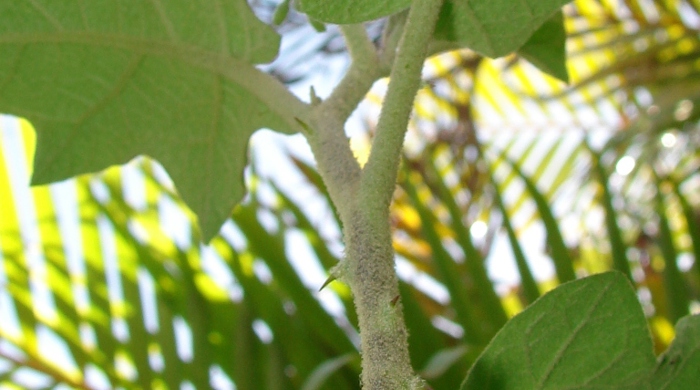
(491, 140)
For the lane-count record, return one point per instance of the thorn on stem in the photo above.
(315, 100)
(327, 282)
(394, 300)
(305, 128)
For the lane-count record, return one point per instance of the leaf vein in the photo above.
(165, 20)
(229, 67)
(46, 14)
(222, 27)
(116, 90)
(479, 26)
(564, 347)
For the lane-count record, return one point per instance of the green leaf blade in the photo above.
(168, 80)
(493, 27)
(228, 28)
(677, 368)
(325, 370)
(617, 243)
(350, 11)
(563, 262)
(586, 334)
(546, 48)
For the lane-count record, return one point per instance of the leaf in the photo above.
(103, 82)
(586, 334)
(447, 269)
(324, 371)
(423, 338)
(617, 243)
(281, 13)
(691, 222)
(350, 11)
(677, 368)
(443, 360)
(530, 290)
(674, 283)
(271, 248)
(546, 48)
(494, 27)
(563, 263)
(474, 263)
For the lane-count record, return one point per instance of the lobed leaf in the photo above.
(103, 82)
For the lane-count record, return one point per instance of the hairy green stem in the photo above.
(370, 256)
(380, 173)
(362, 197)
(390, 39)
(361, 48)
(330, 145)
(336, 163)
(363, 72)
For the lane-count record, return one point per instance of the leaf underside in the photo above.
(546, 48)
(587, 334)
(350, 11)
(493, 28)
(679, 367)
(103, 82)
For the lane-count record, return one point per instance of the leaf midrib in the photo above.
(259, 84)
(149, 46)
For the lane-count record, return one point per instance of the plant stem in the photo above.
(363, 72)
(362, 197)
(361, 48)
(370, 255)
(336, 163)
(390, 39)
(382, 166)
